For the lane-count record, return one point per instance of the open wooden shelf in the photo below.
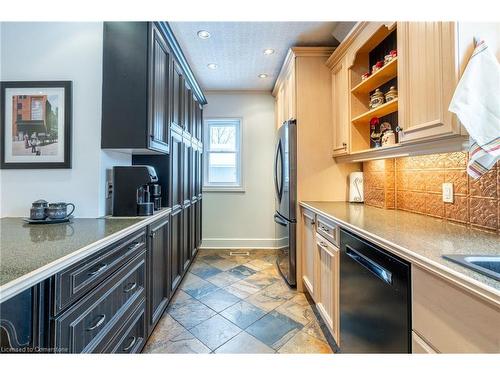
(379, 111)
(381, 76)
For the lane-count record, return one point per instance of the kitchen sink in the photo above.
(488, 265)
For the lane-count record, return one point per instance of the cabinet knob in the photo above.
(344, 144)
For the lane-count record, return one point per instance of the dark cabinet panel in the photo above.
(193, 245)
(158, 270)
(187, 174)
(132, 336)
(75, 281)
(160, 61)
(186, 238)
(198, 223)
(86, 326)
(177, 93)
(188, 116)
(135, 95)
(176, 172)
(176, 262)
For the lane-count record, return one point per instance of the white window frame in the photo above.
(238, 187)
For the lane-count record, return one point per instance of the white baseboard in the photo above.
(240, 243)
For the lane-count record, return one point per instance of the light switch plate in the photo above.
(448, 192)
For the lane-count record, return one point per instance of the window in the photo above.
(222, 159)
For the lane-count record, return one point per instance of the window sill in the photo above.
(223, 189)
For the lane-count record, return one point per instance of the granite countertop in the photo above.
(29, 253)
(420, 239)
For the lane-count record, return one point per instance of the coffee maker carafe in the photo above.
(132, 187)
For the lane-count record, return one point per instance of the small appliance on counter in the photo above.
(356, 194)
(136, 191)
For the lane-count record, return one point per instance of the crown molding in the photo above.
(182, 61)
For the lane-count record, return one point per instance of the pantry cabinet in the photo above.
(427, 79)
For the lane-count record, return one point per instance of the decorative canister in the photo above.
(388, 138)
(391, 94)
(376, 99)
(377, 66)
(366, 76)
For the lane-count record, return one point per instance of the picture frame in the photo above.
(35, 124)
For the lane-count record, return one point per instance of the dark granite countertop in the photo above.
(30, 253)
(419, 238)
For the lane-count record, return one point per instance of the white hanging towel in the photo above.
(476, 102)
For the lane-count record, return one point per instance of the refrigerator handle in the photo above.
(276, 184)
(279, 220)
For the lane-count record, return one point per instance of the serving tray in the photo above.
(47, 221)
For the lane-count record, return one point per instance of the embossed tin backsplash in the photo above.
(415, 184)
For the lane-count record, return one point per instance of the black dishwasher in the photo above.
(375, 310)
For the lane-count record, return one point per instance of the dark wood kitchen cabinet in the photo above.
(159, 256)
(136, 87)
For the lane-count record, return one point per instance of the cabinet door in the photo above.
(176, 257)
(177, 89)
(176, 174)
(309, 252)
(328, 284)
(192, 229)
(158, 270)
(340, 108)
(280, 107)
(160, 60)
(187, 106)
(186, 237)
(198, 223)
(290, 94)
(426, 78)
(187, 174)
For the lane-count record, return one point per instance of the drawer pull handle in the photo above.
(130, 287)
(99, 323)
(129, 346)
(135, 245)
(101, 268)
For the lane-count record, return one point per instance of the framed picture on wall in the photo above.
(35, 124)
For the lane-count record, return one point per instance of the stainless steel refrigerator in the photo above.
(285, 183)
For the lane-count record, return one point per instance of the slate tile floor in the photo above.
(238, 304)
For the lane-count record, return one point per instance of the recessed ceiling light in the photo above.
(262, 75)
(212, 66)
(268, 51)
(203, 34)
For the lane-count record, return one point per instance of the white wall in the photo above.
(239, 220)
(60, 51)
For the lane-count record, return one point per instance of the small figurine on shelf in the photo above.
(366, 76)
(376, 99)
(374, 135)
(391, 94)
(377, 66)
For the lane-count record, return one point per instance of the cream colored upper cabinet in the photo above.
(340, 108)
(427, 76)
(309, 252)
(290, 95)
(279, 106)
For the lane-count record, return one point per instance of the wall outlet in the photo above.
(109, 189)
(448, 192)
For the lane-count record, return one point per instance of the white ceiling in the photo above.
(237, 48)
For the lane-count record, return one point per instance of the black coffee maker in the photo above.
(136, 191)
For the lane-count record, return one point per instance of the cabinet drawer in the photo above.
(85, 326)
(451, 319)
(131, 336)
(328, 229)
(74, 282)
